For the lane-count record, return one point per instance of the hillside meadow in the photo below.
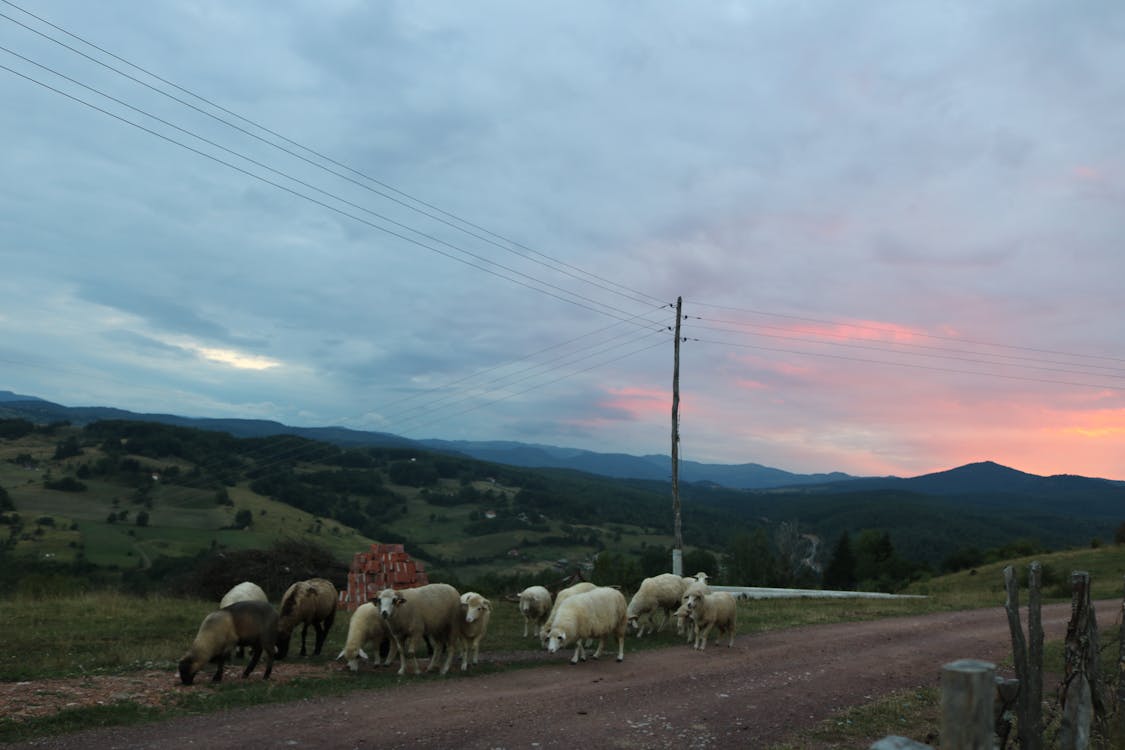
(109, 633)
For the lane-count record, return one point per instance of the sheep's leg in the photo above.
(526, 623)
(254, 656)
(448, 649)
(322, 632)
(701, 641)
(401, 655)
(465, 646)
(601, 647)
(269, 664)
(304, 632)
(412, 645)
(438, 653)
(621, 646)
(476, 651)
(577, 652)
(219, 672)
(392, 651)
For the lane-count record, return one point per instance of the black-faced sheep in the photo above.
(252, 624)
(429, 611)
(311, 602)
(708, 610)
(473, 624)
(535, 605)
(598, 614)
(562, 596)
(247, 591)
(366, 626)
(660, 593)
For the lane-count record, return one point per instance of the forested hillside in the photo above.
(135, 500)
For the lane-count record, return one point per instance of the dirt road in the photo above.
(749, 696)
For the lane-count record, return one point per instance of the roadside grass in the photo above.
(915, 714)
(109, 633)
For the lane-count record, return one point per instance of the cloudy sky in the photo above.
(896, 226)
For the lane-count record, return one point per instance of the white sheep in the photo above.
(535, 605)
(685, 625)
(247, 591)
(251, 624)
(593, 614)
(429, 611)
(366, 626)
(659, 593)
(473, 624)
(708, 610)
(562, 596)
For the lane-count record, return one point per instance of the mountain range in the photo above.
(976, 479)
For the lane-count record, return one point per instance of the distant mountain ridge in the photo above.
(984, 477)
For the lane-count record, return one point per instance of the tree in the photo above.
(750, 560)
(839, 575)
(68, 448)
(243, 518)
(1119, 535)
(700, 560)
(142, 518)
(873, 554)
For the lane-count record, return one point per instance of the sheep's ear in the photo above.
(487, 604)
(399, 599)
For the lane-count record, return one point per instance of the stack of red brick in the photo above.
(383, 566)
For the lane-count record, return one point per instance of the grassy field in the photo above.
(107, 633)
(182, 521)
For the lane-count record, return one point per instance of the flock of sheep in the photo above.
(449, 621)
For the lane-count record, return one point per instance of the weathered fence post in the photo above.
(1119, 714)
(968, 688)
(1027, 655)
(1081, 695)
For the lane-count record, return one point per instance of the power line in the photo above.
(560, 266)
(886, 350)
(619, 312)
(926, 335)
(932, 368)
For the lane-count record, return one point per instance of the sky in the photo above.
(896, 227)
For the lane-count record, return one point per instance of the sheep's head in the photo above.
(634, 622)
(387, 600)
(188, 670)
(556, 639)
(473, 606)
(691, 601)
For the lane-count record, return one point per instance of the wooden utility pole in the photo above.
(677, 533)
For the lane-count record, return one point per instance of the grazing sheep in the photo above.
(562, 596)
(711, 610)
(594, 614)
(366, 625)
(246, 591)
(430, 611)
(659, 593)
(311, 602)
(535, 605)
(684, 623)
(473, 624)
(252, 624)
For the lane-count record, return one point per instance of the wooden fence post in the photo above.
(968, 689)
(1027, 655)
(1082, 702)
(1119, 714)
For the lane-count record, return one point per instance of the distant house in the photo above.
(490, 514)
